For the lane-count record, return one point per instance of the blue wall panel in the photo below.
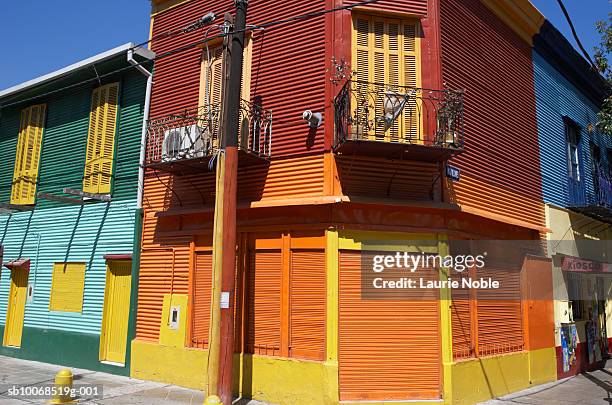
(556, 97)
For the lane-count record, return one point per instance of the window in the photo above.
(101, 139)
(211, 74)
(27, 157)
(572, 135)
(386, 52)
(67, 287)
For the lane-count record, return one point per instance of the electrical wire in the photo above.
(571, 24)
(191, 45)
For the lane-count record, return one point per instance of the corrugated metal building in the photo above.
(315, 202)
(576, 164)
(67, 258)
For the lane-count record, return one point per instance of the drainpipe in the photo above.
(145, 118)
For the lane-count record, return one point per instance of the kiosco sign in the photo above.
(577, 264)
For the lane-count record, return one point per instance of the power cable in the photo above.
(195, 44)
(571, 24)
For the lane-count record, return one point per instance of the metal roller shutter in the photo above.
(388, 350)
(461, 318)
(500, 323)
(307, 299)
(202, 290)
(264, 289)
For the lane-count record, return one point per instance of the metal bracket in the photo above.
(79, 193)
(59, 198)
(15, 207)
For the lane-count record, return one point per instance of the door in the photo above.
(113, 340)
(389, 349)
(16, 307)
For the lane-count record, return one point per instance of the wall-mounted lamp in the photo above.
(314, 120)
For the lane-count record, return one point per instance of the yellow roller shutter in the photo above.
(27, 157)
(388, 349)
(101, 139)
(67, 287)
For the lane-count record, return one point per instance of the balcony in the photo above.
(398, 122)
(597, 203)
(187, 141)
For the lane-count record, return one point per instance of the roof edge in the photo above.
(520, 15)
(143, 52)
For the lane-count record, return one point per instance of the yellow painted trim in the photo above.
(331, 257)
(271, 379)
(151, 31)
(159, 6)
(173, 337)
(387, 241)
(446, 331)
(520, 15)
(480, 379)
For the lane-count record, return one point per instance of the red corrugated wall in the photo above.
(288, 78)
(500, 166)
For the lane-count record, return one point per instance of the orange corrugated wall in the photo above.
(500, 165)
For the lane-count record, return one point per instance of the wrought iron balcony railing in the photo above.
(596, 203)
(195, 134)
(401, 115)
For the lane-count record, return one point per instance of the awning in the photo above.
(23, 263)
(126, 256)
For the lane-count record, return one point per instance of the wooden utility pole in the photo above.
(221, 334)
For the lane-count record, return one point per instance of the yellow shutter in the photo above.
(27, 157)
(101, 139)
(67, 287)
(386, 53)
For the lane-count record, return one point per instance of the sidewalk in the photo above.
(593, 388)
(115, 389)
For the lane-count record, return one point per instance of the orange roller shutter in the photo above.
(202, 290)
(388, 349)
(461, 318)
(500, 324)
(264, 319)
(307, 298)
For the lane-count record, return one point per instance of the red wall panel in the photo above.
(288, 78)
(501, 165)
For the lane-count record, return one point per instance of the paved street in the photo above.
(587, 389)
(116, 389)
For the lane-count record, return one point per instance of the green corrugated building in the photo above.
(70, 216)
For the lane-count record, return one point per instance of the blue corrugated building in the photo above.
(576, 166)
(69, 216)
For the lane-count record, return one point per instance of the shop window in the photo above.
(67, 287)
(27, 157)
(101, 139)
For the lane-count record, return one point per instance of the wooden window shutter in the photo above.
(264, 318)
(202, 291)
(98, 173)
(67, 287)
(27, 157)
(307, 300)
(386, 52)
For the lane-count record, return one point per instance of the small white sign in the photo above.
(225, 300)
(30, 296)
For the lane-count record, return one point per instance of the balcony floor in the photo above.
(201, 164)
(599, 212)
(396, 150)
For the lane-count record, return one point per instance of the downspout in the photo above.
(138, 223)
(145, 118)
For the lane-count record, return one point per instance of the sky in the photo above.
(42, 36)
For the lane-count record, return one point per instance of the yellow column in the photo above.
(331, 360)
(445, 324)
